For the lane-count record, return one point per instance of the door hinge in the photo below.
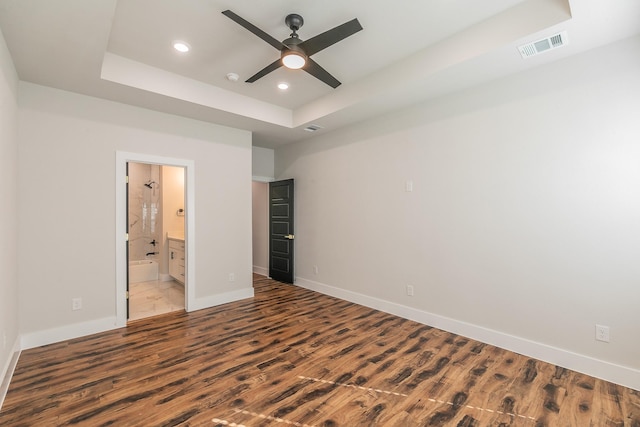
(127, 294)
(126, 237)
(127, 179)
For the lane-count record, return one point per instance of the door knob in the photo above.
(289, 236)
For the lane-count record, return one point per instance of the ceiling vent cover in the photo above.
(313, 128)
(544, 45)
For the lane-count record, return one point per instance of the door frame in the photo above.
(122, 158)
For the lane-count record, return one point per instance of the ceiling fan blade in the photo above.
(320, 73)
(332, 36)
(266, 70)
(255, 30)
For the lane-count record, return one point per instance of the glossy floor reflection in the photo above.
(148, 299)
(293, 357)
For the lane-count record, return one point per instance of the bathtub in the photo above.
(143, 271)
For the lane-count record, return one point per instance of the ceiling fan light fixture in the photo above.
(293, 60)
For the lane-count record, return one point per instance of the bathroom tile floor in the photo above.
(152, 298)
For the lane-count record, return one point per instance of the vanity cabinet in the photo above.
(176, 259)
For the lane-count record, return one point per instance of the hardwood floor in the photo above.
(292, 357)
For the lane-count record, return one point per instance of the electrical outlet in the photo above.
(602, 333)
(232, 277)
(410, 290)
(315, 269)
(76, 304)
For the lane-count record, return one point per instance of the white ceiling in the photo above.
(408, 52)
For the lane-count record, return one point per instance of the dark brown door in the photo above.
(281, 235)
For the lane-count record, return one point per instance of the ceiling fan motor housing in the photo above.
(291, 42)
(294, 21)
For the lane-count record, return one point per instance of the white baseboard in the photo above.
(76, 330)
(49, 336)
(8, 369)
(607, 371)
(224, 298)
(261, 270)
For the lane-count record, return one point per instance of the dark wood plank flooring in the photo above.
(292, 357)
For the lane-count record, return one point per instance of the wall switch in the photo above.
(232, 277)
(76, 304)
(4, 340)
(408, 186)
(410, 290)
(315, 269)
(602, 333)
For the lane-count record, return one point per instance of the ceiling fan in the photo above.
(296, 53)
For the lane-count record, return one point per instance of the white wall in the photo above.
(173, 200)
(260, 218)
(9, 326)
(67, 164)
(523, 226)
(262, 164)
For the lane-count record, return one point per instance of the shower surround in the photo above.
(145, 221)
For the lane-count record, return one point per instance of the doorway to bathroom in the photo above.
(156, 239)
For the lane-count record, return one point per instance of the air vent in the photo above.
(312, 128)
(544, 45)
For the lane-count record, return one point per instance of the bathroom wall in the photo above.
(153, 212)
(173, 200)
(145, 219)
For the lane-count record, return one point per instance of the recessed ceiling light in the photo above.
(283, 86)
(233, 77)
(181, 46)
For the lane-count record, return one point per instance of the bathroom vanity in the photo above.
(177, 258)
